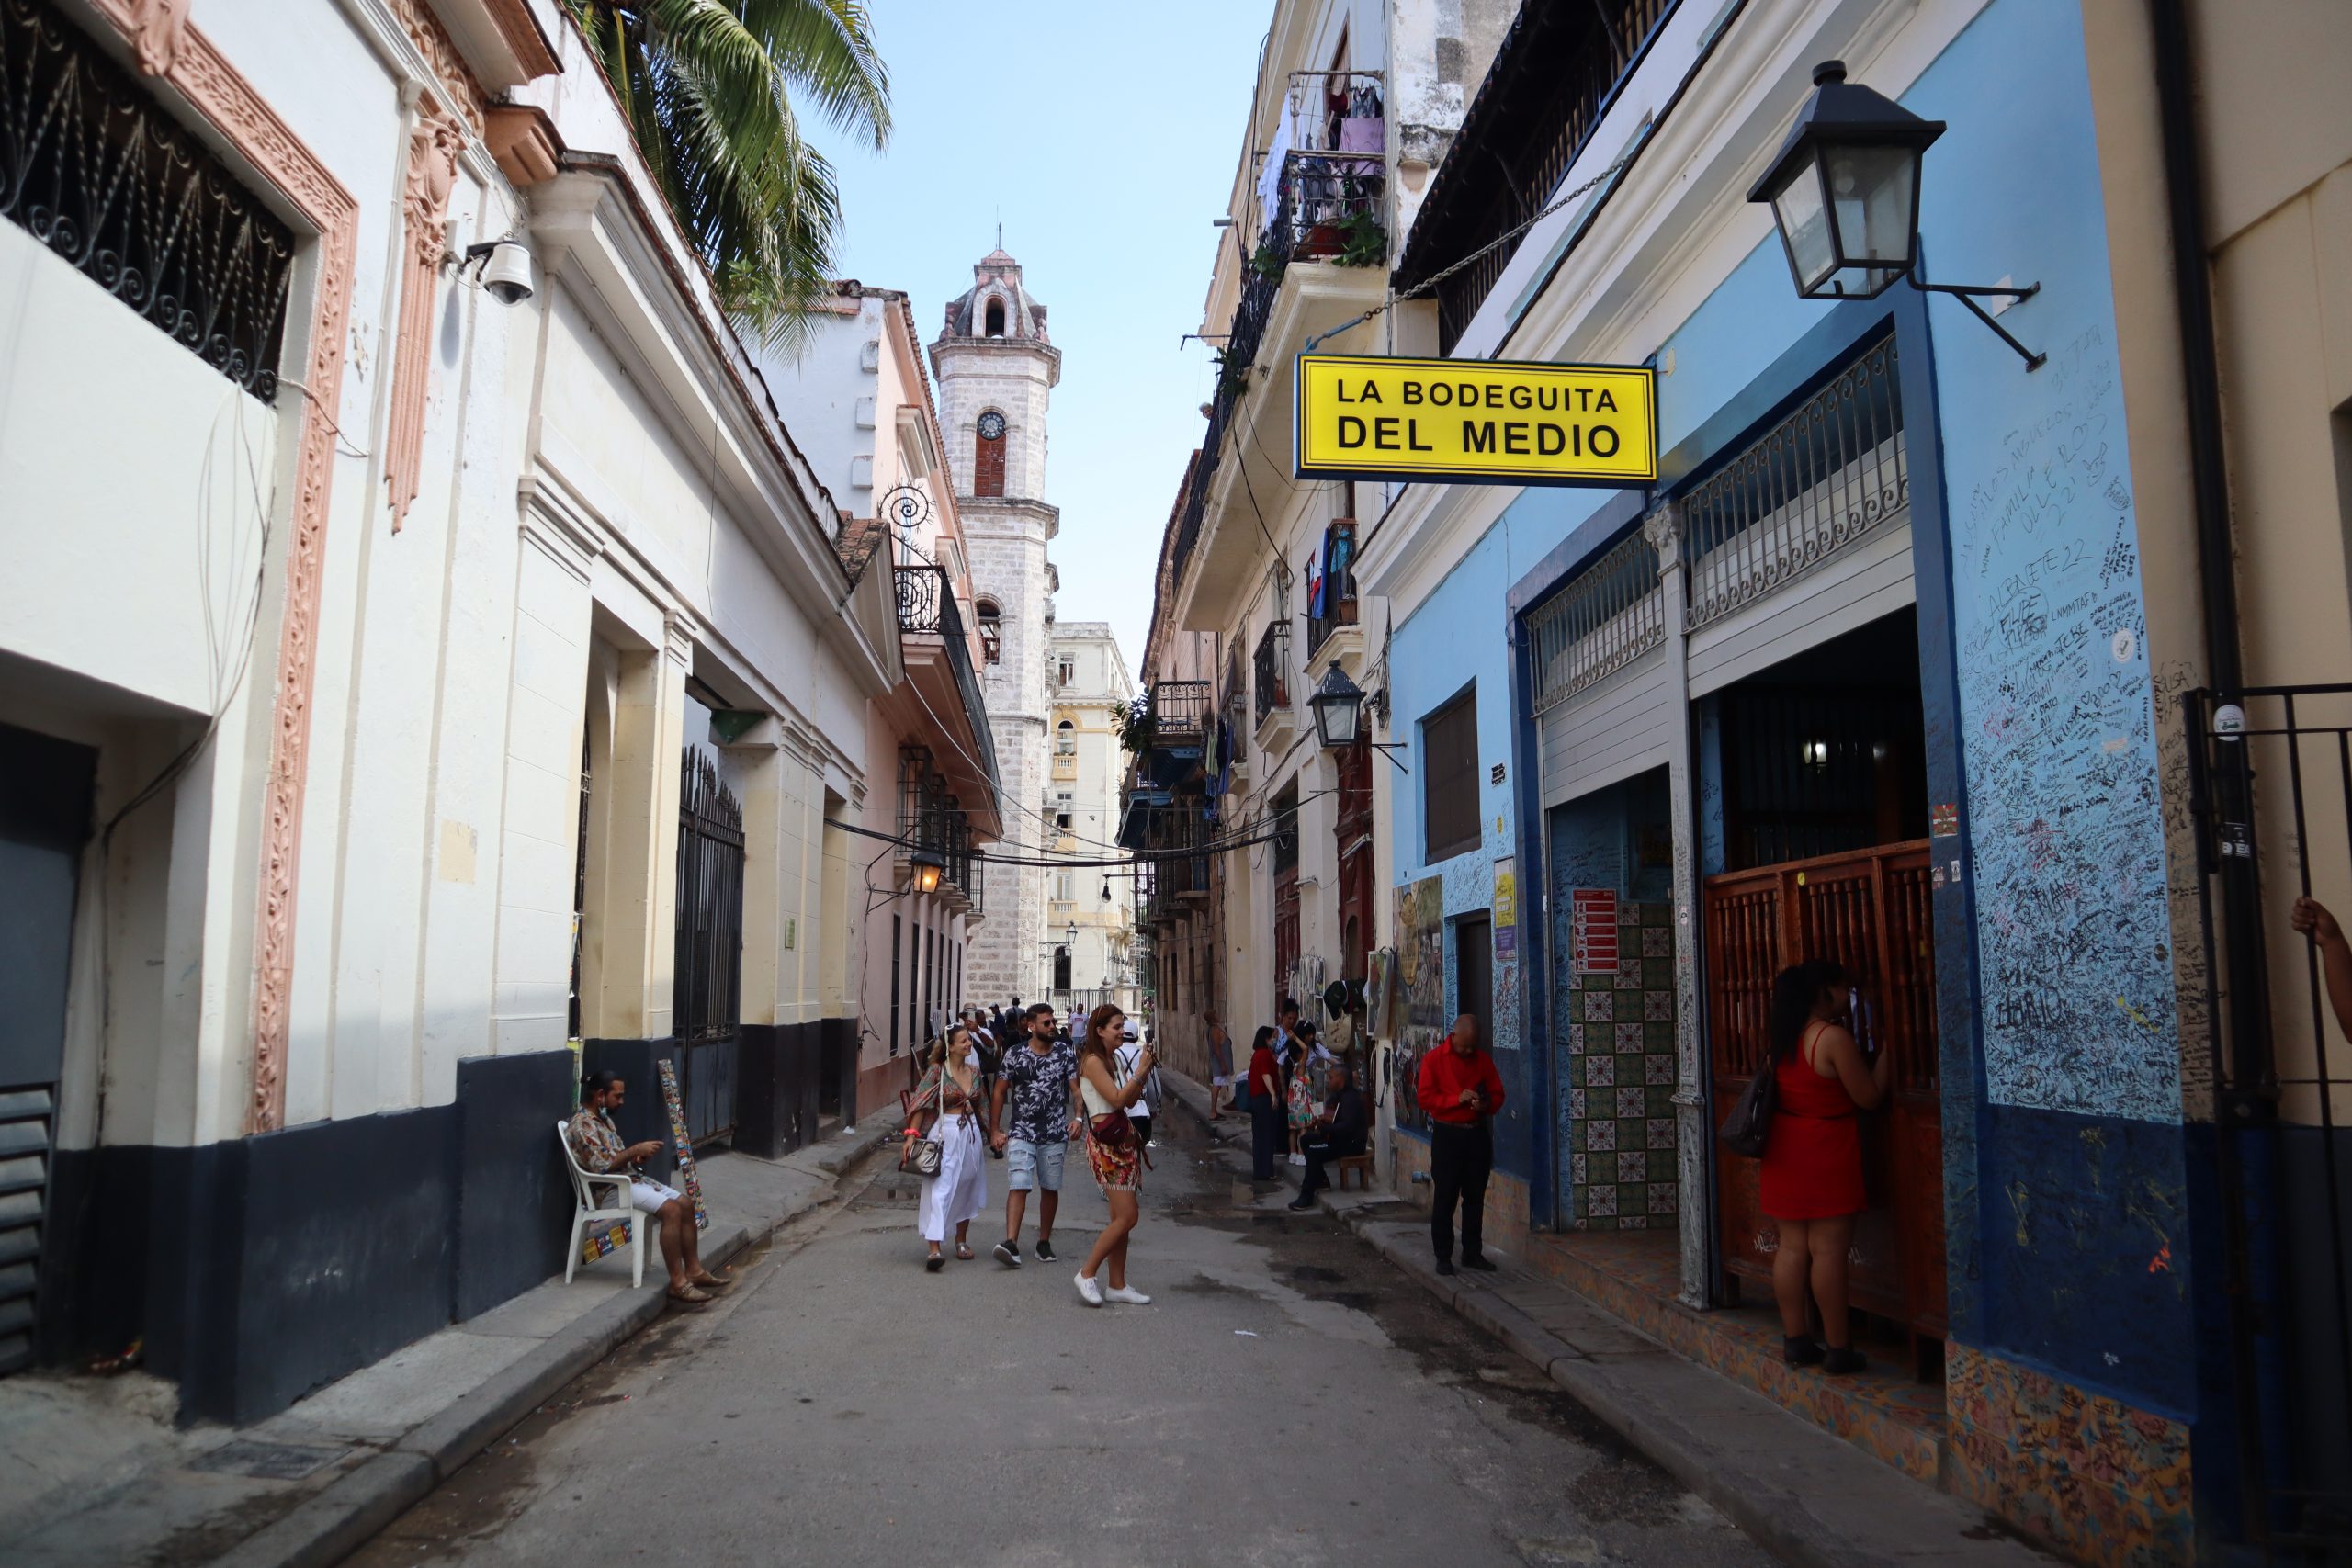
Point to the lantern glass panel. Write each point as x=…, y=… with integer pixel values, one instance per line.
x=1873, y=192
x=1337, y=719
x=1804, y=228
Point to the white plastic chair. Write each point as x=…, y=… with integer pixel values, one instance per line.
x=585, y=1210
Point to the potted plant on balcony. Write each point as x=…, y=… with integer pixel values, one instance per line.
x=1136, y=726
x=1362, y=240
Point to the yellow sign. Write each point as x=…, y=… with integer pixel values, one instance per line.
x=1476, y=421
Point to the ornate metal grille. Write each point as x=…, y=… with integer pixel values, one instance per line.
x=708, y=989
x=927, y=606
x=1610, y=615
x=1272, y=669
x=1820, y=480
x=92, y=167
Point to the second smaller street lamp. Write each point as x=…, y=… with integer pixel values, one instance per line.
x=927, y=866
x=1070, y=934
x=1845, y=195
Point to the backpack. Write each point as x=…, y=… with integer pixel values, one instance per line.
x=1750, y=1126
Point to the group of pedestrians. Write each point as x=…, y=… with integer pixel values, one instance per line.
x=1047, y=1087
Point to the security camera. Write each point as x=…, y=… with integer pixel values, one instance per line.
x=502, y=266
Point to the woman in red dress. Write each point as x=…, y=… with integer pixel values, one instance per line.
x=1811, y=1179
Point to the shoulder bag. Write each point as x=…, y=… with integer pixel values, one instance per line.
x=928, y=1149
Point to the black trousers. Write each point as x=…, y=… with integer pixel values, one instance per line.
x=1265, y=1137
x=1320, y=1150
x=1461, y=1159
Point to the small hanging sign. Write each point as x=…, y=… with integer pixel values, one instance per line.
x=1593, y=931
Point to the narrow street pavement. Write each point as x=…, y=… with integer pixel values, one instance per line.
x=1288, y=1397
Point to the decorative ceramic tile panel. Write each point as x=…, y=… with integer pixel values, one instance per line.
x=1617, y=1073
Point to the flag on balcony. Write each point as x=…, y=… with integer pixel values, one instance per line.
x=1315, y=578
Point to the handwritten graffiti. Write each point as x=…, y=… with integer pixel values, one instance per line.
x=2058, y=729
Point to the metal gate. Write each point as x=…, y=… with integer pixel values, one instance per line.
x=2270, y=787
x=707, y=1001
x=1869, y=910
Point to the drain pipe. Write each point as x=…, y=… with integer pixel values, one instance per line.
x=2252, y=1098
x=2246, y=1105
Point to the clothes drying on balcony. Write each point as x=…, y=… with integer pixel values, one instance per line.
x=1269, y=173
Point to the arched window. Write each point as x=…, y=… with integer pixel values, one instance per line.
x=994, y=326
x=1066, y=739
x=988, y=455
x=991, y=621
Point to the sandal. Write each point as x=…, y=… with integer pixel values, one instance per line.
x=934, y=1263
x=710, y=1281
x=964, y=1252
x=689, y=1294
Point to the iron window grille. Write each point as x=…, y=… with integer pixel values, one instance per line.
x=92, y=167
x=927, y=607
x=1610, y=615
x=1270, y=669
x=1825, y=476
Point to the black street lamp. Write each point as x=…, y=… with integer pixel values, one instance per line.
x=927, y=866
x=1338, y=703
x=1845, y=195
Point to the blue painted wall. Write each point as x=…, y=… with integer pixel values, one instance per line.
x=1460, y=634
x=2067, y=1186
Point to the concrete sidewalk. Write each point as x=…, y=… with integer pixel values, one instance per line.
x=1803, y=1494
x=93, y=1473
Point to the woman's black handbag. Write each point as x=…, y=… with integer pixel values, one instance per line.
x=1750, y=1126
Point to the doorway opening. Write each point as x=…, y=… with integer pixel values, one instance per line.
x=1814, y=836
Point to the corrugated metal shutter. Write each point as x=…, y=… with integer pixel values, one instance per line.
x=26, y=1121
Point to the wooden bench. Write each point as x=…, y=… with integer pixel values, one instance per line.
x=1360, y=1164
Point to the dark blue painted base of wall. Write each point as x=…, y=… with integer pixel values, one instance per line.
x=514, y=1199
x=775, y=1087
x=258, y=1269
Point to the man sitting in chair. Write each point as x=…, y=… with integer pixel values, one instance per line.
x=1343, y=1129
x=597, y=1144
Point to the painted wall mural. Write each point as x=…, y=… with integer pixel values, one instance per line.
x=1421, y=973
x=2058, y=729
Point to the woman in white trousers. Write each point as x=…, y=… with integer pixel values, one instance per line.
x=949, y=1106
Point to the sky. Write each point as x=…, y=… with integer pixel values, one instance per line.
x=1104, y=136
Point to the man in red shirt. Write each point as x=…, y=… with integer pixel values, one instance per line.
x=1459, y=1089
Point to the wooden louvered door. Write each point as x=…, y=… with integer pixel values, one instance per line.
x=1870, y=910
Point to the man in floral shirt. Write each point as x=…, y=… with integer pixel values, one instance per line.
x=1040, y=1077
x=597, y=1144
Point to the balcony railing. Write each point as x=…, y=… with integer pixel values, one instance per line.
x=1610, y=615
x=930, y=818
x=1181, y=713
x=1330, y=205
x=1831, y=472
x=1270, y=670
x=927, y=608
x=1533, y=117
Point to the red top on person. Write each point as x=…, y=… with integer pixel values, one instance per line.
x=1448, y=1070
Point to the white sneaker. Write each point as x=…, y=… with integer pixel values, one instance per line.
x=1298, y=1159
x=1089, y=1290
x=1127, y=1297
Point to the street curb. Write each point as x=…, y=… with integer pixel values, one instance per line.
x=338, y=1521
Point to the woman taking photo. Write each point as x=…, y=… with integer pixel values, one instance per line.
x=1113, y=1150
x=1811, y=1179
x=949, y=1103
x=1266, y=1108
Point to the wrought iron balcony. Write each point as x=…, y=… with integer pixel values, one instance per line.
x=1329, y=200
x=1271, y=667
x=927, y=607
x=930, y=818
x=1555, y=77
